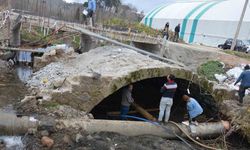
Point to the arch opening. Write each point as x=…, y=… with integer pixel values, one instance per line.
x=147, y=94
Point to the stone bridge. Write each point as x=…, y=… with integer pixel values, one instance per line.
x=85, y=81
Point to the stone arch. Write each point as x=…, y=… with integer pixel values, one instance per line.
x=87, y=91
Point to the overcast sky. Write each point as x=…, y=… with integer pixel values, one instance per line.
x=145, y=5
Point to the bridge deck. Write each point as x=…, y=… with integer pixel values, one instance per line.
x=49, y=23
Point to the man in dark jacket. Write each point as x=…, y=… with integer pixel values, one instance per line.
x=168, y=91
x=176, y=32
x=245, y=82
x=127, y=100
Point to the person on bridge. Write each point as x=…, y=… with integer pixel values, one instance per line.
x=194, y=109
x=166, y=31
x=176, y=32
x=168, y=91
x=91, y=11
x=245, y=83
x=127, y=100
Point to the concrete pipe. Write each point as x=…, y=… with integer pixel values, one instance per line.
x=136, y=128
x=10, y=124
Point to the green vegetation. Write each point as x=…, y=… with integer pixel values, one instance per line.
x=36, y=38
x=50, y=105
x=34, y=35
x=136, y=26
x=239, y=54
x=210, y=68
x=76, y=41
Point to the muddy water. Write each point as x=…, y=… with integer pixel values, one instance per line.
x=12, y=89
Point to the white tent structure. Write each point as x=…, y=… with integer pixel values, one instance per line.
x=209, y=21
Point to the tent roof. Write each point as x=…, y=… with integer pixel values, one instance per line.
x=221, y=10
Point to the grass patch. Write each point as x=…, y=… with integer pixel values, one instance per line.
x=239, y=54
x=210, y=68
x=50, y=105
x=135, y=26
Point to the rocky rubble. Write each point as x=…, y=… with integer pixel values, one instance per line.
x=230, y=77
x=53, y=54
x=77, y=81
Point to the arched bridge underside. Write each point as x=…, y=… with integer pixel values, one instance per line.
x=84, y=81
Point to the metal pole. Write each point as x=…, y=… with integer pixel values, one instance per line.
x=239, y=25
x=9, y=7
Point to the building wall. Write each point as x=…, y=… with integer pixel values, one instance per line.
x=206, y=22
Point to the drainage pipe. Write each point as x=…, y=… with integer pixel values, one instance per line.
x=137, y=128
x=10, y=124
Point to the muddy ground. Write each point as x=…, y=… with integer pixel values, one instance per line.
x=105, y=141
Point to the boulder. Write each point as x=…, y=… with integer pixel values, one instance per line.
x=46, y=141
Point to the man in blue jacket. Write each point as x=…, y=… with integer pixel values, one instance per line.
x=194, y=109
x=245, y=82
x=91, y=11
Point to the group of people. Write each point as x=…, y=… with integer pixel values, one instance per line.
x=176, y=32
x=168, y=92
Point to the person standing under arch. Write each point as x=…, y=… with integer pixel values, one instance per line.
x=127, y=100
x=168, y=91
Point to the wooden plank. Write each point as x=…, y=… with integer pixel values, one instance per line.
x=143, y=112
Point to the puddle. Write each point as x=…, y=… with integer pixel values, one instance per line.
x=24, y=73
x=12, y=89
x=12, y=142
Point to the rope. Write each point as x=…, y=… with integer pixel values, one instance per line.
x=196, y=142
